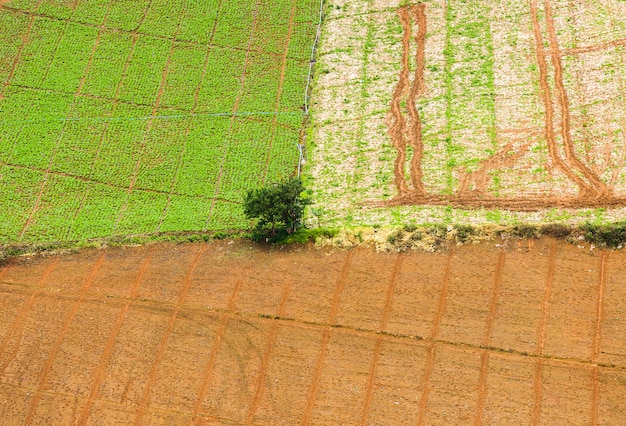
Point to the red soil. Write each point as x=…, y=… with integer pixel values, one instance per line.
x=229, y=333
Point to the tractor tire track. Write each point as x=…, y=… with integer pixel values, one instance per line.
x=69, y=319
x=600, y=189
x=98, y=374
x=417, y=89
x=548, y=104
x=151, y=378
x=395, y=120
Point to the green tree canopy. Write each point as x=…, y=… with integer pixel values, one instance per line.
x=277, y=206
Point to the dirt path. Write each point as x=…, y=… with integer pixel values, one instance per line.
x=227, y=332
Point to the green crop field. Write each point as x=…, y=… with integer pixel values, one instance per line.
x=470, y=112
x=146, y=116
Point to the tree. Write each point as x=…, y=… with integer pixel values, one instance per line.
x=279, y=205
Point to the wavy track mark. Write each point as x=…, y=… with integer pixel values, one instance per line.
x=395, y=121
x=484, y=357
x=600, y=189
x=378, y=346
x=210, y=366
x=61, y=337
x=151, y=378
x=417, y=89
x=98, y=374
x=271, y=340
x=18, y=324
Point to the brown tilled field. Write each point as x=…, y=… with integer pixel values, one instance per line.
x=227, y=333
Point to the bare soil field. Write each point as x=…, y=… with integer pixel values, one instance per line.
x=230, y=333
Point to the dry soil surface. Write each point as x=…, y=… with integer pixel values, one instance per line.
x=227, y=333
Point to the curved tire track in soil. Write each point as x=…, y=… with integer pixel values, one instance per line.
x=600, y=189
x=19, y=322
x=105, y=358
x=145, y=398
x=61, y=337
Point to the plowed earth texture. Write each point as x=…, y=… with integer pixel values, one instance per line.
x=231, y=334
x=145, y=116
x=482, y=111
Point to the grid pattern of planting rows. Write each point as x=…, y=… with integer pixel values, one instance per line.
x=509, y=105
x=122, y=118
x=224, y=333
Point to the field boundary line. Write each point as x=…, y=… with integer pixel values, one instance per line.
x=484, y=357
x=215, y=347
x=17, y=325
x=541, y=334
x=61, y=337
x=149, y=124
x=105, y=357
x=430, y=359
x=280, y=91
x=169, y=329
x=318, y=34
x=192, y=113
x=231, y=125
x=371, y=378
x=271, y=340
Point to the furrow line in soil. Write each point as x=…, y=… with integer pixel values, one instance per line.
x=231, y=125
x=378, y=346
x=17, y=327
x=196, y=96
x=105, y=357
x=149, y=124
x=425, y=386
x=600, y=188
x=484, y=357
x=595, y=397
x=317, y=373
x=210, y=366
x=279, y=93
x=69, y=319
x=597, y=335
x=594, y=48
x=151, y=377
x=334, y=307
x=417, y=89
x=271, y=340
